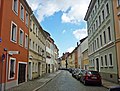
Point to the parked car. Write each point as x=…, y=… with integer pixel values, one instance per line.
x=115, y=88
x=74, y=72
x=79, y=74
x=91, y=77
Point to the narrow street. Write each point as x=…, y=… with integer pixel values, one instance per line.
x=65, y=82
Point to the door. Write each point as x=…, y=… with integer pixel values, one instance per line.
x=22, y=73
x=30, y=71
x=39, y=69
x=97, y=64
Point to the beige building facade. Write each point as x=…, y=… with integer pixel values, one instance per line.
x=37, y=61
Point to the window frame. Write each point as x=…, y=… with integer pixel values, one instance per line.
x=15, y=11
x=22, y=17
x=20, y=37
x=26, y=41
x=10, y=67
x=14, y=41
x=26, y=19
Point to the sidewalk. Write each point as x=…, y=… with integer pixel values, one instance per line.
x=109, y=84
x=35, y=84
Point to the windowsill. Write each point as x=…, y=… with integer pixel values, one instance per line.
x=106, y=66
x=110, y=66
x=21, y=45
x=13, y=41
x=11, y=78
x=15, y=12
x=22, y=19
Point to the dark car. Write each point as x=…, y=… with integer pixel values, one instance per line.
x=91, y=77
x=79, y=74
x=115, y=88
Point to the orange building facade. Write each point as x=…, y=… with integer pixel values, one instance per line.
x=14, y=34
x=116, y=8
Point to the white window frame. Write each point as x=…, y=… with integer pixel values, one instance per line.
x=16, y=12
x=26, y=41
x=21, y=44
x=15, y=41
x=10, y=68
x=21, y=17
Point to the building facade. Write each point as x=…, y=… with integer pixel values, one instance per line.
x=37, y=58
x=101, y=39
x=84, y=53
x=14, y=33
x=116, y=8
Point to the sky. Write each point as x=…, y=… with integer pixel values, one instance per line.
x=63, y=19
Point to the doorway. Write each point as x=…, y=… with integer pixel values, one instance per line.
x=22, y=73
x=97, y=64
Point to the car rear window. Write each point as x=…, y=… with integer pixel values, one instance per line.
x=93, y=72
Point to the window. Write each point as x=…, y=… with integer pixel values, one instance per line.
x=30, y=43
x=15, y=6
x=33, y=28
x=107, y=8
x=13, y=32
x=96, y=23
x=27, y=18
x=21, y=37
x=111, y=60
x=105, y=60
x=118, y=1
x=104, y=33
x=101, y=40
x=33, y=45
x=26, y=41
x=97, y=42
x=12, y=68
x=109, y=33
x=99, y=20
x=103, y=15
x=36, y=31
x=33, y=67
x=101, y=61
x=21, y=12
x=36, y=47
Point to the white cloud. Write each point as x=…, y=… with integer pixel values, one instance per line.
x=73, y=10
x=70, y=49
x=80, y=33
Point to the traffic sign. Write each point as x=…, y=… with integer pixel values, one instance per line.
x=13, y=52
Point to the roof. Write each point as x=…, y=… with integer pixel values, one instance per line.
x=90, y=7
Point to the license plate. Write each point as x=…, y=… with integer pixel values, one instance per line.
x=94, y=77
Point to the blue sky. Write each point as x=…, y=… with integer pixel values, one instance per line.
x=63, y=19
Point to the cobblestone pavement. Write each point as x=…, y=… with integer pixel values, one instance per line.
x=34, y=84
x=65, y=82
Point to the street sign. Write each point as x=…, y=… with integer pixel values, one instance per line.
x=0, y=40
x=13, y=52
